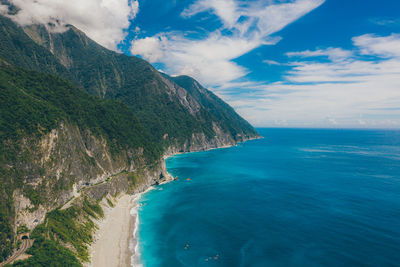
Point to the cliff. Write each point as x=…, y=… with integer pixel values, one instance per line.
x=80, y=123
x=170, y=109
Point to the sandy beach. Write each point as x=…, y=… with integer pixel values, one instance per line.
x=112, y=239
x=115, y=242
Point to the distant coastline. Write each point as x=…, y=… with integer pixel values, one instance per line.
x=298, y=188
x=116, y=239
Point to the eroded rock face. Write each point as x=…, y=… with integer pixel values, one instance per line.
x=65, y=161
x=26, y=213
x=200, y=142
x=185, y=99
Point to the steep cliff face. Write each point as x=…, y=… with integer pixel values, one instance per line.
x=172, y=107
x=62, y=147
x=18, y=49
x=66, y=168
x=80, y=123
x=67, y=162
x=218, y=110
x=62, y=163
x=59, y=143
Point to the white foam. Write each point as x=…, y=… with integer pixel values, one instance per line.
x=134, y=242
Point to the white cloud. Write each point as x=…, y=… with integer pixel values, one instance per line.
x=370, y=44
x=227, y=10
x=208, y=60
x=273, y=18
x=334, y=54
x=272, y=62
x=150, y=48
x=102, y=20
x=351, y=92
x=246, y=26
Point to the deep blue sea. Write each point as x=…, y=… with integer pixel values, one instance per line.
x=297, y=197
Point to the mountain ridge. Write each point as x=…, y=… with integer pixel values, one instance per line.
x=123, y=74
x=76, y=117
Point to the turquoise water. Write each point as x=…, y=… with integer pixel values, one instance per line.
x=295, y=198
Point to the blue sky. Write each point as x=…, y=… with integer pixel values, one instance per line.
x=306, y=63
x=279, y=63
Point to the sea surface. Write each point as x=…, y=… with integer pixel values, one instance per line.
x=298, y=197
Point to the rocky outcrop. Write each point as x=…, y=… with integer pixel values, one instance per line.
x=66, y=161
x=185, y=99
x=200, y=142
x=51, y=162
x=26, y=212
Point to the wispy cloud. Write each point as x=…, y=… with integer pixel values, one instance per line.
x=386, y=21
x=245, y=26
x=102, y=20
x=227, y=10
x=272, y=62
x=381, y=46
x=348, y=89
x=334, y=54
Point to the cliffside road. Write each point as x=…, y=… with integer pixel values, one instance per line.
x=24, y=246
x=78, y=193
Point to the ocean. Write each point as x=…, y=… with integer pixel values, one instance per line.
x=298, y=197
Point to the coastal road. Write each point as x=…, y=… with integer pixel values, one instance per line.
x=23, y=248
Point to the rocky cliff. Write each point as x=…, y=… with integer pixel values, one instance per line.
x=80, y=123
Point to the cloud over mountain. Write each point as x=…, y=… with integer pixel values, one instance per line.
x=102, y=20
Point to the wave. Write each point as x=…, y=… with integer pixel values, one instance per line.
x=134, y=242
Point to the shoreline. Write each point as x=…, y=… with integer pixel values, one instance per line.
x=209, y=149
x=120, y=246
x=133, y=237
x=111, y=240
x=115, y=241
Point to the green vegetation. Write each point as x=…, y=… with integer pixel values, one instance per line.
x=6, y=215
x=136, y=178
x=94, y=210
x=18, y=49
x=33, y=195
x=22, y=229
x=73, y=226
x=32, y=104
x=217, y=110
x=135, y=82
x=35, y=103
x=49, y=253
x=110, y=203
x=53, y=79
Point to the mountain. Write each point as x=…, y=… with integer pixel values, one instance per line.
x=160, y=104
x=19, y=49
x=56, y=137
x=80, y=124
x=217, y=108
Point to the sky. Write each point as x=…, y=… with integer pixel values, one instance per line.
x=279, y=63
